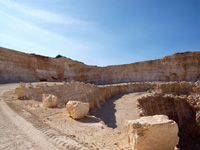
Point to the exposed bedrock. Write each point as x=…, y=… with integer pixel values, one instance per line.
x=16, y=66
x=95, y=95
x=176, y=88
x=79, y=91
x=183, y=109
x=73, y=91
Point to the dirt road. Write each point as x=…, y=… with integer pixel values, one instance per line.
x=119, y=109
x=15, y=132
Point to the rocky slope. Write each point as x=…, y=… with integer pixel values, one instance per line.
x=16, y=66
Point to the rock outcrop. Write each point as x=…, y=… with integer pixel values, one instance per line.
x=16, y=66
x=77, y=109
x=152, y=133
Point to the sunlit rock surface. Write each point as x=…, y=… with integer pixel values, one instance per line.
x=152, y=133
x=49, y=101
x=17, y=66
x=77, y=109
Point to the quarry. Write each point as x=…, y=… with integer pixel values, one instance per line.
x=59, y=103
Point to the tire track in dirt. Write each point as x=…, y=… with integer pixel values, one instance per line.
x=38, y=132
x=26, y=128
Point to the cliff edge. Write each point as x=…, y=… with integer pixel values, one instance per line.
x=17, y=66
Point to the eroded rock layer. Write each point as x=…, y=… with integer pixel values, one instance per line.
x=16, y=66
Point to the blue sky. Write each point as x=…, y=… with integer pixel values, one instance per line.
x=101, y=32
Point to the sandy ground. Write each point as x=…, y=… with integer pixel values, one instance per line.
x=15, y=132
x=27, y=125
x=119, y=109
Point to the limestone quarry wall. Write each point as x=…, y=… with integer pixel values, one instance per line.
x=73, y=91
x=94, y=95
x=79, y=91
x=16, y=66
x=176, y=88
x=111, y=90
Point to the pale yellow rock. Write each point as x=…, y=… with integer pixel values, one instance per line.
x=22, y=85
x=49, y=101
x=20, y=93
x=29, y=85
x=152, y=133
x=37, y=85
x=54, y=101
x=19, y=66
x=77, y=109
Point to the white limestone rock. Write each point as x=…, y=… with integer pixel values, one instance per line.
x=22, y=85
x=49, y=101
x=77, y=109
x=152, y=133
x=29, y=85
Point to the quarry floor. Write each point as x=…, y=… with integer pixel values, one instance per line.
x=25, y=124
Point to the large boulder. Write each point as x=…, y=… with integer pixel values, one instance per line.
x=49, y=101
x=152, y=133
x=77, y=109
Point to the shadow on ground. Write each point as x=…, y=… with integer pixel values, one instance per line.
x=89, y=119
x=107, y=112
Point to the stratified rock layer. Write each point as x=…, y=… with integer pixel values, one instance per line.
x=152, y=133
x=17, y=66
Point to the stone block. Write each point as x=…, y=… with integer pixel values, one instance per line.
x=152, y=133
x=49, y=101
x=77, y=109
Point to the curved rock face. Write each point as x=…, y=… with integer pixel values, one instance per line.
x=16, y=66
x=74, y=91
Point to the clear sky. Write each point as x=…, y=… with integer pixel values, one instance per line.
x=101, y=32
